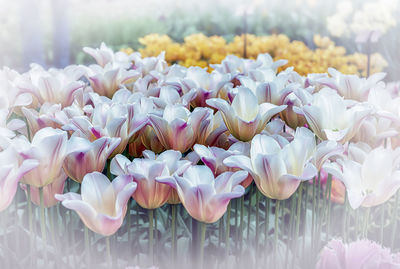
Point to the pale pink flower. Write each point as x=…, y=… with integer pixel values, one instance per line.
x=84, y=156
x=371, y=176
x=12, y=97
x=212, y=130
x=108, y=79
x=11, y=171
x=245, y=118
x=49, y=147
x=178, y=127
x=205, y=197
x=351, y=86
x=122, y=121
x=277, y=165
x=56, y=86
x=150, y=194
x=361, y=254
x=176, y=165
x=206, y=85
x=102, y=204
x=47, y=116
x=298, y=97
x=56, y=187
x=330, y=117
x=213, y=158
x=105, y=55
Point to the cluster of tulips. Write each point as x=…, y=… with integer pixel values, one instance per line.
x=136, y=127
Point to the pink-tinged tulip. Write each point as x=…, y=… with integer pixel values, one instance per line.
x=84, y=157
x=107, y=80
x=178, y=127
x=371, y=177
x=49, y=191
x=274, y=91
x=12, y=97
x=102, y=204
x=149, y=139
x=150, y=65
x=245, y=117
x=327, y=151
x=234, y=65
x=49, y=147
x=205, y=197
x=122, y=121
x=169, y=95
x=352, y=86
x=297, y=98
x=213, y=158
x=385, y=122
x=375, y=129
x=150, y=194
x=205, y=84
x=277, y=165
x=212, y=131
x=330, y=118
x=175, y=165
x=11, y=172
x=56, y=86
x=356, y=255
x=105, y=55
x=45, y=117
x=8, y=127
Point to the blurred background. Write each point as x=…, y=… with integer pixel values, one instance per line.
x=53, y=32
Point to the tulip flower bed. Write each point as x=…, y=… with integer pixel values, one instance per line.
x=132, y=162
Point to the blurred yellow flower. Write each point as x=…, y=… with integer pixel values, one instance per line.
x=200, y=50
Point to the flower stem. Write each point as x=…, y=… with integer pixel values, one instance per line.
x=249, y=212
x=291, y=225
x=43, y=225
x=328, y=215
x=305, y=191
x=109, y=175
x=202, y=239
x=173, y=233
x=368, y=56
x=236, y=209
x=366, y=220
x=87, y=246
x=195, y=239
x=266, y=227
x=382, y=224
x=4, y=222
x=257, y=220
x=228, y=228
x=276, y=232
x=241, y=222
x=110, y=263
x=299, y=197
x=151, y=234
x=344, y=228
x=220, y=231
x=128, y=225
x=394, y=221
x=313, y=213
x=137, y=231
x=156, y=233
x=32, y=249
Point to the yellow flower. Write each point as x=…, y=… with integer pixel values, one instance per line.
x=200, y=50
